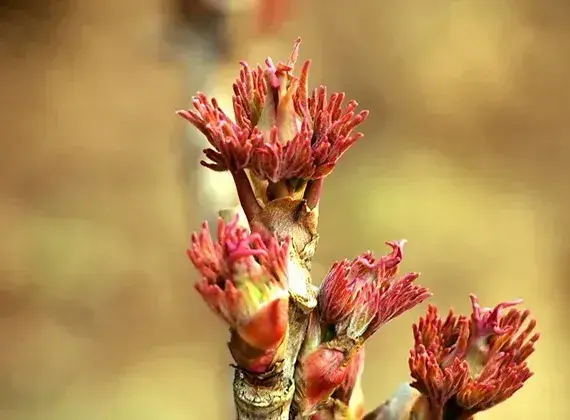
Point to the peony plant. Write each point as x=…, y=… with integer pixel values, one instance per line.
x=298, y=350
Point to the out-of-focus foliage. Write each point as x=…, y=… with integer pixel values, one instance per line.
x=464, y=156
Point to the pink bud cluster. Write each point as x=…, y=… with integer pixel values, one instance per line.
x=465, y=365
x=244, y=281
x=356, y=298
x=280, y=131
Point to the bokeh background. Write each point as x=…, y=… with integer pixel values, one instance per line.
x=465, y=155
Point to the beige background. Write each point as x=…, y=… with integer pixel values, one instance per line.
x=465, y=155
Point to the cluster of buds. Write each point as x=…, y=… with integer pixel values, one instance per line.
x=286, y=139
x=301, y=350
x=464, y=365
x=355, y=299
x=244, y=281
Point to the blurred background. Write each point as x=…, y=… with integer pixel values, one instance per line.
x=465, y=155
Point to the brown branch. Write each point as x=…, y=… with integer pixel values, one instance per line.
x=271, y=396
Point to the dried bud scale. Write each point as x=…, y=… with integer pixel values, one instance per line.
x=299, y=351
